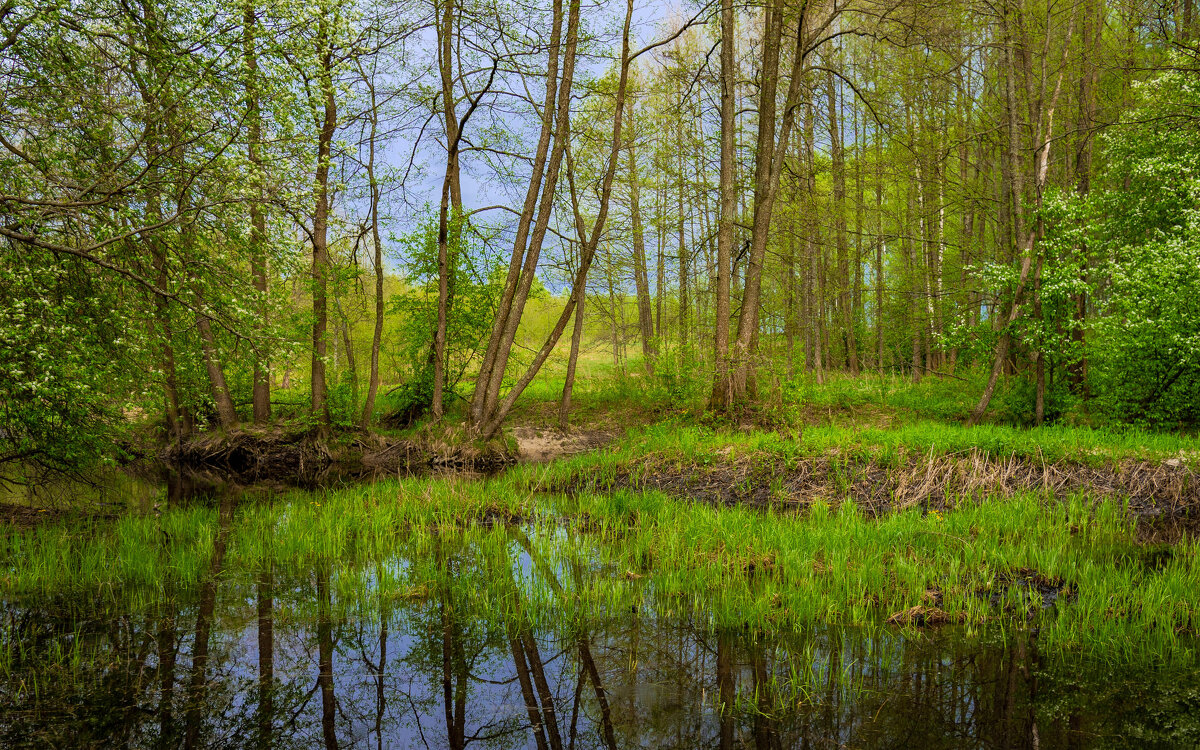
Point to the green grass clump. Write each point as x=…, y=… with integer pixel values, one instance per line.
x=512, y=556
x=699, y=446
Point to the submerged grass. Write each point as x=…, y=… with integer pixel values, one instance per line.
x=1072, y=569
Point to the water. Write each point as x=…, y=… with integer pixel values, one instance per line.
x=148, y=485
x=282, y=661
x=327, y=655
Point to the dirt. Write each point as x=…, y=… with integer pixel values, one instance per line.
x=302, y=458
x=1044, y=592
x=28, y=517
x=252, y=454
x=24, y=517
x=921, y=617
x=539, y=445
x=1164, y=498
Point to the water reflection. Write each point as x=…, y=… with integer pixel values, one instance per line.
x=273, y=658
x=148, y=486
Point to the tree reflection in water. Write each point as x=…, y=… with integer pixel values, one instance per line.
x=288, y=658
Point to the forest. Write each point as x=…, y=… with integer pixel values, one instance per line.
x=355, y=214
x=471, y=354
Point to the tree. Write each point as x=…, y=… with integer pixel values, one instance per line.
x=1040, y=101
x=1146, y=346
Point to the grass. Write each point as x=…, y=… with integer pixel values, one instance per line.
x=549, y=559
x=880, y=414
x=1052, y=442
x=923, y=462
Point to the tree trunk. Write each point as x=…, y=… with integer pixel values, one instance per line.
x=722, y=393
x=206, y=610
x=1088, y=93
x=325, y=660
x=157, y=112
x=660, y=281
x=258, y=221
x=726, y=691
x=611, y=282
x=769, y=159
x=351, y=362
x=497, y=415
x=368, y=411
x=564, y=406
x=448, y=237
x=265, y=605
x=218, y=387
x=838, y=168
x=226, y=414
x=682, y=252
x=529, y=235
x=856, y=302
x=914, y=307
x=879, y=242
x=789, y=301
x=320, y=236
x=640, y=277
x=532, y=708
x=1042, y=116
x=1039, y=354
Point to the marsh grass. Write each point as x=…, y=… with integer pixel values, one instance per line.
x=691, y=444
x=881, y=471
x=510, y=555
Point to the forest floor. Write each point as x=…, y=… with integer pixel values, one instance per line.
x=883, y=444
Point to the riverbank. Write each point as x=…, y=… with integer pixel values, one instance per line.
x=760, y=529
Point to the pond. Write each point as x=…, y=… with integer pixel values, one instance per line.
x=464, y=638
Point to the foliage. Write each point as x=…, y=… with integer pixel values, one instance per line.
x=474, y=288
x=144, y=144
x=66, y=352
x=1147, y=347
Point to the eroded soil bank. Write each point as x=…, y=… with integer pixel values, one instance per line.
x=1163, y=496
x=298, y=456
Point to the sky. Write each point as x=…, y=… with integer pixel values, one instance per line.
x=479, y=187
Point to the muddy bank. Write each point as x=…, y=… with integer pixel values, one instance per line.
x=1164, y=497
x=302, y=456
x=24, y=517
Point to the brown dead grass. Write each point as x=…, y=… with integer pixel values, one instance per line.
x=1164, y=497
x=921, y=616
x=25, y=517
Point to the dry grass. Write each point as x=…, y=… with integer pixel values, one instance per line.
x=921, y=616
x=1161, y=494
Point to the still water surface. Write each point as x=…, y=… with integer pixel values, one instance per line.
x=292, y=659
